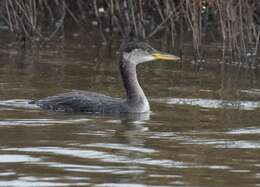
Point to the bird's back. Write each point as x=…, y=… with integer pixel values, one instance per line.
x=83, y=101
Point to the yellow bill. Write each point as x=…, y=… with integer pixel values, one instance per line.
x=164, y=56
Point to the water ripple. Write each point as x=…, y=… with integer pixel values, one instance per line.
x=18, y=103
x=10, y=158
x=125, y=185
x=24, y=183
x=95, y=168
x=223, y=143
x=240, y=145
x=249, y=130
x=39, y=122
x=211, y=103
x=103, y=156
x=121, y=147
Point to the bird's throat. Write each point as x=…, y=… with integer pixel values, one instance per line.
x=135, y=95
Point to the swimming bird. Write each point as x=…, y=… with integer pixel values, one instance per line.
x=131, y=54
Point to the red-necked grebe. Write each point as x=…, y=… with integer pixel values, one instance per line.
x=131, y=54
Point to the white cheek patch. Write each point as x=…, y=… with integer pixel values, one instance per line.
x=138, y=57
x=130, y=58
x=148, y=58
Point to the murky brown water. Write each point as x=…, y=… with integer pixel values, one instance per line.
x=204, y=129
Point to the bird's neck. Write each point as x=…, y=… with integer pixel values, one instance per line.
x=136, y=98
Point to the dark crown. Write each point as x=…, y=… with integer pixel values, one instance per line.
x=138, y=45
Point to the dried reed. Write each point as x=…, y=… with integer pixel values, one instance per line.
x=235, y=22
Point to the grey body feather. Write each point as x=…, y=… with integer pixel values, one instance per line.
x=83, y=101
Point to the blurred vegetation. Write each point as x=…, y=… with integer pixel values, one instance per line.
x=234, y=24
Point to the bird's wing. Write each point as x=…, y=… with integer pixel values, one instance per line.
x=80, y=101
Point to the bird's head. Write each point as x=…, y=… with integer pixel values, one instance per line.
x=136, y=52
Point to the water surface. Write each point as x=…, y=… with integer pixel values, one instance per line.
x=203, y=129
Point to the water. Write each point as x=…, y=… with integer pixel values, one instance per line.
x=203, y=129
